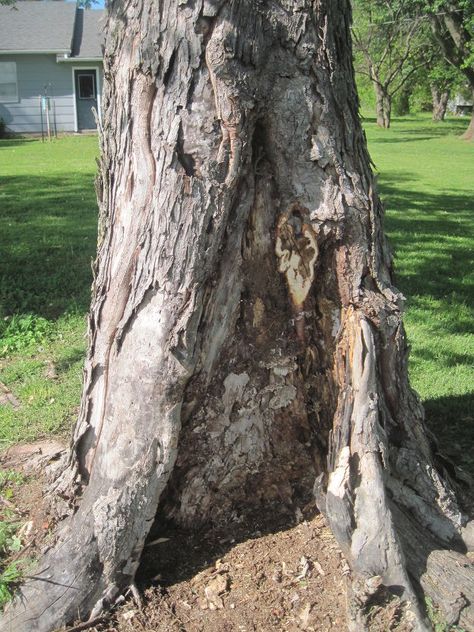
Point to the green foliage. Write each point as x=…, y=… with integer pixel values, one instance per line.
x=21, y=332
x=447, y=28
x=437, y=620
x=10, y=542
x=444, y=75
x=389, y=49
x=365, y=91
x=8, y=480
x=9, y=578
x=453, y=26
x=2, y=128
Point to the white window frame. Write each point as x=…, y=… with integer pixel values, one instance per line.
x=12, y=99
x=98, y=93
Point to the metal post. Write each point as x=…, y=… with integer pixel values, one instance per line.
x=48, y=124
x=41, y=115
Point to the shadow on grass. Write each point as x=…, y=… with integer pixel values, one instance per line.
x=434, y=267
x=433, y=235
x=15, y=141
x=452, y=421
x=416, y=129
x=70, y=359
x=48, y=240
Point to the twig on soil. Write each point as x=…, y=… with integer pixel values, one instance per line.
x=6, y=396
x=137, y=598
x=87, y=624
x=173, y=614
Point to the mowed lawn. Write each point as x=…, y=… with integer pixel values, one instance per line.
x=48, y=216
x=48, y=219
x=426, y=179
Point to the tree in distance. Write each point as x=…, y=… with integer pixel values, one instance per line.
x=389, y=48
x=452, y=23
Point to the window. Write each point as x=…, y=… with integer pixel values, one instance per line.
x=86, y=86
x=8, y=82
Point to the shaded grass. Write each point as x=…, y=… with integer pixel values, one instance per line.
x=48, y=214
x=426, y=179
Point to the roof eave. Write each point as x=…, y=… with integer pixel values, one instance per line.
x=36, y=52
x=63, y=60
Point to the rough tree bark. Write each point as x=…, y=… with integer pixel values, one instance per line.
x=245, y=336
x=383, y=105
x=440, y=103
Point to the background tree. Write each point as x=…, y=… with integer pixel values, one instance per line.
x=246, y=349
x=453, y=27
x=444, y=79
x=389, y=49
x=452, y=23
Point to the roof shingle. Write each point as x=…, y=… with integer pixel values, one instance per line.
x=51, y=26
x=88, y=34
x=37, y=26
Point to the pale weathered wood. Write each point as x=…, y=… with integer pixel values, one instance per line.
x=245, y=338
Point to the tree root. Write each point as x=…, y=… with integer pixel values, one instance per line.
x=396, y=519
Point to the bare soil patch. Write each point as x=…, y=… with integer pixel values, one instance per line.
x=258, y=574
x=250, y=577
x=26, y=503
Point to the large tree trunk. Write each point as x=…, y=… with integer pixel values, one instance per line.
x=403, y=101
x=440, y=103
x=245, y=338
x=383, y=105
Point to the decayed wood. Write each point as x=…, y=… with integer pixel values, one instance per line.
x=244, y=335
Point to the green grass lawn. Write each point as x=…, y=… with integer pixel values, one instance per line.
x=426, y=179
x=48, y=217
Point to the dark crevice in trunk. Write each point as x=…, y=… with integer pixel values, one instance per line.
x=170, y=68
x=185, y=160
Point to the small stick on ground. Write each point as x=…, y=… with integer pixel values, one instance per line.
x=87, y=624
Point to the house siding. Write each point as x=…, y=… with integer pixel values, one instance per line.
x=34, y=72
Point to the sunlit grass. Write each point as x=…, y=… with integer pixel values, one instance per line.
x=426, y=179
x=48, y=215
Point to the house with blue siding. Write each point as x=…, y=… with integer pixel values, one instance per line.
x=50, y=66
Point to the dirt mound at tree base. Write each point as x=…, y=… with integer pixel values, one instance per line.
x=290, y=578
x=254, y=575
